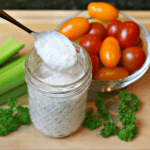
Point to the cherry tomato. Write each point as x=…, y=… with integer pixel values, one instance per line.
x=139, y=43
x=133, y=58
x=102, y=11
x=91, y=43
x=95, y=63
x=128, y=34
x=75, y=28
x=105, y=24
x=111, y=73
x=97, y=29
x=110, y=52
x=113, y=28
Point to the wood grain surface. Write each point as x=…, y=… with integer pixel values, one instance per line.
x=28, y=137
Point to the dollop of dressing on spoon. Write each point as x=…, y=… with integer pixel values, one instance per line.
x=56, y=50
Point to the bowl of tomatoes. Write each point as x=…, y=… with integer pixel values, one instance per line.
x=119, y=47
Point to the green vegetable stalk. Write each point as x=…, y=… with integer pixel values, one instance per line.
x=12, y=75
x=9, y=48
x=13, y=93
x=129, y=104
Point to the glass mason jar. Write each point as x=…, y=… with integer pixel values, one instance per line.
x=57, y=111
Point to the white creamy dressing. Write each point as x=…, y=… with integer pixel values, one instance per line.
x=53, y=115
x=43, y=72
x=61, y=65
x=56, y=50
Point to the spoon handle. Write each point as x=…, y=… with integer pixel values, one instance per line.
x=12, y=20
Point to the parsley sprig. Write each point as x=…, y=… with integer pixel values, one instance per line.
x=110, y=128
x=92, y=121
x=129, y=104
x=12, y=117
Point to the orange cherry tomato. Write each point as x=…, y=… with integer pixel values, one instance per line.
x=95, y=63
x=107, y=74
x=102, y=11
x=110, y=52
x=75, y=28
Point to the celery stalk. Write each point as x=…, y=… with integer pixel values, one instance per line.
x=10, y=60
x=13, y=93
x=9, y=48
x=12, y=75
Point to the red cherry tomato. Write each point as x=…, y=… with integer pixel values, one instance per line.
x=133, y=58
x=113, y=28
x=95, y=63
x=111, y=73
x=91, y=43
x=139, y=43
x=97, y=29
x=128, y=34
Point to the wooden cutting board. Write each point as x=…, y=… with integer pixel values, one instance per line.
x=28, y=137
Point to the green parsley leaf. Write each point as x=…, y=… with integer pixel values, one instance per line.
x=127, y=118
x=22, y=116
x=109, y=129
x=128, y=132
x=129, y=103
x=11, y=118
x=92, y=121
x=124, y=96
x=102, y=108
x=12, y=102
x=135, y=102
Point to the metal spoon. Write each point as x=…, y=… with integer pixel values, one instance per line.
x=12, y=20
x=7, y=17
x=39, y=36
